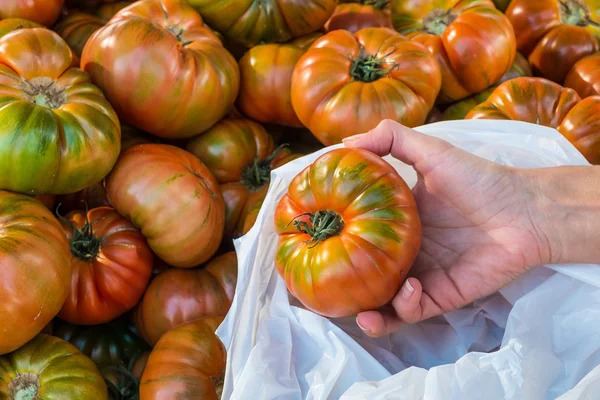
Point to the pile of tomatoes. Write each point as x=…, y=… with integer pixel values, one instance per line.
x=137, y=141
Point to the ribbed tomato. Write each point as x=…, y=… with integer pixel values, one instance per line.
x=108, y=10
x=584, y=77
x=240, y=154
x=347, y=83
x=178, y=296
x=44, y=12
x=349, y=231
x=250, y=23
x=473, y=42
x=76, y=28
x=359, y=14
x=49, y=368
x=555, y=34
x=58, y=133
x=188, y=362
x=111, y=266
x=540, y=101
x=35, y=269
x=12, y=24
x=158, y=65
x=173, y=198
x=266, y=81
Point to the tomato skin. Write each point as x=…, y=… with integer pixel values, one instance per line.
x=476, y=47
x=179, y=296
x=107, y=281
x=326, y=95
x=552, y=39
x=584, y=77
x=270, y=21
x=108, y=10
x=362, y=266
x=173, y=198
x=188, y=362
x=76, y=28
x=91, y=197
x=266, y=81
x=356, y=16
x=47, y=199
x=12, y=24
x=581, y=127
x=35, y=260
x=43, y=12
x=61, y=371
x=155, y=81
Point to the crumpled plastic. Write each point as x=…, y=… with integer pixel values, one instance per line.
x=538, y=338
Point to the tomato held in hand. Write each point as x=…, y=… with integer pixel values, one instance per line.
x=555, y=34
x=360, y=14
x=173, y=198
x=44, y=12
x=178, y=296
x=473, y=42
x=349, y=232
x=111, y=266
x=540, y=101
x=162, y=69
x=188, y=362
x=584, y=77
x=345, y=84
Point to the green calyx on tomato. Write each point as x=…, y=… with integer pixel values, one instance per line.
x=84, y=244
x=178, y=31
x=370, y=68
x=575, y=13
x=436, y=22
x=379, y=4
x=323, y=225
x=121, y=383
x=24, y=387
x=44, y=92
x=258, y=174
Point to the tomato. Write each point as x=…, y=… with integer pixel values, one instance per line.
x=584, y=77
x=50, y=368
x=435, y=115
x=44, y=12
x=188, y=362
x=473, y=42
x=90, y=197
x=158, y=65
x=251, y=23
x=13, y=24
x=555, y=34
x=107, y=11
x=47, y=199
x=240, y=154
x=460, y=110
x=359, y=14
x=58, y=134
x=107, y=344
x=173, y=198
x=349, y=231
x=77, y=28
x=347, y=83
x=540, y=101
x=111, y=266
x=179, y=296
x=36, y=268
x=266, y=80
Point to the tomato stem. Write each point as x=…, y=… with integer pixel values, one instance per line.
x=322, y=225
x=370, y=68
x=178, y=32
x=258, y=174
x=127, y=386
x=24, y=387
x=84, y=244
x=379, y=4
x=436, y=22
x=44, y=92
x=575, y=13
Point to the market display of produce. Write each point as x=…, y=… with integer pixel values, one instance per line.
x=137, y=141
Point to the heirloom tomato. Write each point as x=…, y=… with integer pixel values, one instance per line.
x=540, y=101
x=13, y=24
x=47, y=199
x=90, y=197
x=159, y=65
x=250, y=23
x=58, y=134
x=188, y=362
x=555, y=34
x=111, y=266
x=347, y=83
x=584, y=77
x=173, y=198
x=349, y=231
x=76, y=28
x=178, y=296
x=473, y=42
x=49, y=368
x=44, y=12
x=240, y=154
x=35, y=268
x=108, y=10
x=266, y=80
x=358, y=14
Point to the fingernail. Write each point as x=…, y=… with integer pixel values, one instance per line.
x=353, y=138
x=361, y=327
x=407, y=290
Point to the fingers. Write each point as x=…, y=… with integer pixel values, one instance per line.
x=405, y=144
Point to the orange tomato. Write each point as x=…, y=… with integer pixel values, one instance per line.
x=584, y=77
x=360, y=14
x=76, y=28
x=44, y=12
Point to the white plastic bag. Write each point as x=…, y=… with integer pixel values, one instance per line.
x=536, y=339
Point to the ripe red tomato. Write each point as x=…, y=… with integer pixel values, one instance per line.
x=360, y=14
x=349, y=231
x=173, y=198
x=584, y=77
x=347, y=83
x=44, y=12
x=159, y=65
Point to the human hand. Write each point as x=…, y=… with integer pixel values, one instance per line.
x=478, y=232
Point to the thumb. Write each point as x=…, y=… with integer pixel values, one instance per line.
x=403, y=143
